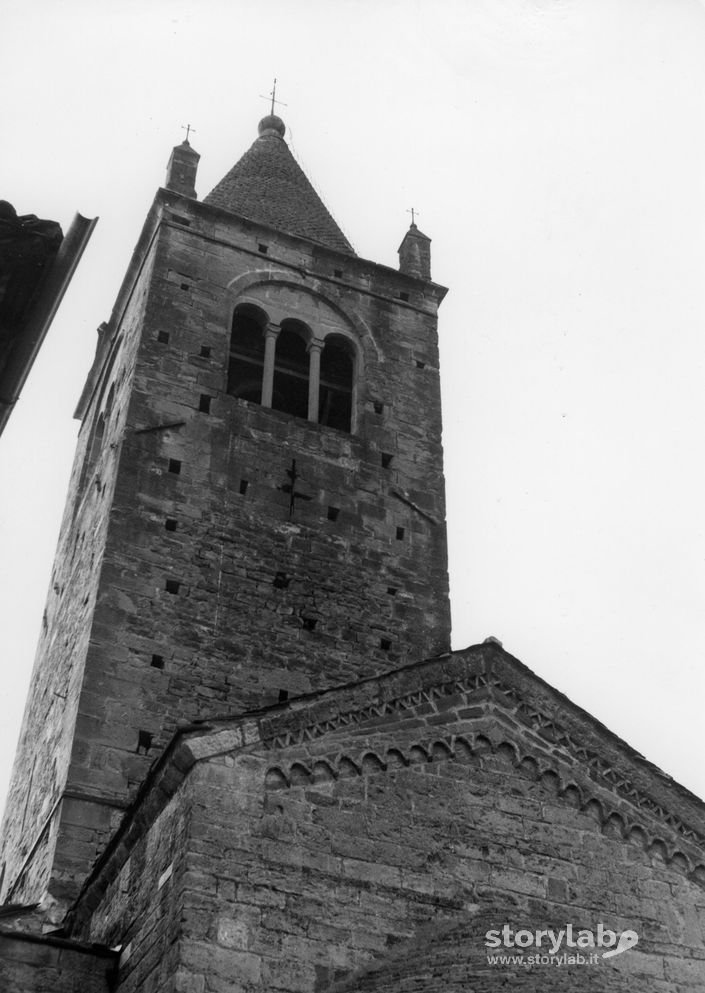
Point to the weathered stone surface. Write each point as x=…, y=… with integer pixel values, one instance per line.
x=311, y=877
x=32, y=964
x=228, y=638
x=232, y=759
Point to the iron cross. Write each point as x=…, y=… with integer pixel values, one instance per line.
x=272, y=97
x=188, y=129
x=290, y=488
x=414, y=214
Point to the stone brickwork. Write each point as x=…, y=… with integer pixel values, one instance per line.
x=323, y=835
x=187, y=584
x=30, y=964
x=234, y=772
x=38, y=802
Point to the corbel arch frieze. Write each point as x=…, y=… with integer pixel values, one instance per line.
x=615, y=818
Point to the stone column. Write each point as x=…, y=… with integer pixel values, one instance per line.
x=314, y=378
x=270, y=344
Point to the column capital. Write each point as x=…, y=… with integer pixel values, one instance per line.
x=315, y=344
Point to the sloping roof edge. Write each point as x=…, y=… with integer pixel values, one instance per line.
x=495, y=671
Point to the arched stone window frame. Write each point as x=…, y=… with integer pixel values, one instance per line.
x=341, y=327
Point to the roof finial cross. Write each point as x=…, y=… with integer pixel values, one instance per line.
x=414, y=214
x=188, y=129
x=273, y=97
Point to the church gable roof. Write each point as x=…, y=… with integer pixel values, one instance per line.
x=269, y=187
x=451, y=784
x=468, y=707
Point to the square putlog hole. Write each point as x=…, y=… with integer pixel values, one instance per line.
x=204, y=403
x=172, y=586
x=175, y=466
x=163, y=337
x=157, y=662
x=333, y=513
x=144, y=741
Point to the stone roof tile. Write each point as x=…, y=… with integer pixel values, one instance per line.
x=269, y=187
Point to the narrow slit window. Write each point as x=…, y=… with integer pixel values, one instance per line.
x=400, y=534
x=244, y=484
x=204, y=404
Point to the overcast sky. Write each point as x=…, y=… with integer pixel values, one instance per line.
x=555, y=150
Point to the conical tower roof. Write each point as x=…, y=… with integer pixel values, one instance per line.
x=268, y=186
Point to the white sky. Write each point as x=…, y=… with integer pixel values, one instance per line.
x=556, y=152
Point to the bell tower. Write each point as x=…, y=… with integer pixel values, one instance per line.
x=256, y=509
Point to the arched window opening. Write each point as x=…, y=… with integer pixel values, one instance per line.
x=291, y=369
x=247, y=353
x=336, y=388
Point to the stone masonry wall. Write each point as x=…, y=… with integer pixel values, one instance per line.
x=143, y=913
x=334, y=873
x=34, y=806
x=344, y=833
x=31, y=965
x=293, y=889
x=213, y=599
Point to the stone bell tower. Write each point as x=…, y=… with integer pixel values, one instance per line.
x=256, y=509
